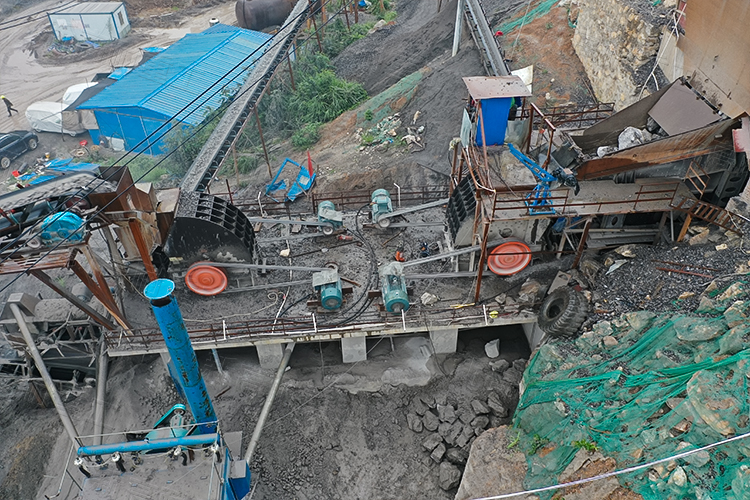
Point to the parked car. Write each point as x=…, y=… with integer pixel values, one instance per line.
x=14, y=144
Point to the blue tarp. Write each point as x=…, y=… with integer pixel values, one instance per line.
x=66, y=166
x=278, y=188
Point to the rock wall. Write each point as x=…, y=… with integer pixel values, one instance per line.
x=616, y=45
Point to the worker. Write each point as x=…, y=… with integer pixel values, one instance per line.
x=424, y=249
x=8, y=105
x=400, y=257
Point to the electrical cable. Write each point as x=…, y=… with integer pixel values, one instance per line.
x=373, y=270
x=272, y=294
x=662, y=50
x=626, y=470
x=518, y=35
x=26, y=19
x=203, y=125
x=171, y=127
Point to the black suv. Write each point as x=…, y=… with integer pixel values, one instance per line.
x=14, y=144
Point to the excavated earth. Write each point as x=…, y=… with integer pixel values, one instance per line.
x=400, y=424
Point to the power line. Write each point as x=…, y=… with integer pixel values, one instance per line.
x=620, y=472
x=26, y=19
x=202, y=126
x=144, y=140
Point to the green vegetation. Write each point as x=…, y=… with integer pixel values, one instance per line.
x=381, y=8
x=584, y=444
x=515, y=441
x=338, y=37
x=537, y=443
x=367, y=139
x=368, y=115
x=186, y=146
x=319, y=97
x=307, y=136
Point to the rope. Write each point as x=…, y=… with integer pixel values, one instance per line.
x=518, y=35
x=627, y=470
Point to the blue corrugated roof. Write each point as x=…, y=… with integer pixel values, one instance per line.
x=170, y=80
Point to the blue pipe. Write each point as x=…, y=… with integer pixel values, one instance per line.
x=154, y=444
x=169, y=317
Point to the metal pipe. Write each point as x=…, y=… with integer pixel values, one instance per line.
x=177, y=341
x=101, y=391
x=61, y=411
x=146, y=445
x=457, y=29
x=216, y=356
x=269, y=401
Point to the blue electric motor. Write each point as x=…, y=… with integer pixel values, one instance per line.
x=328, y=285
x=327, y=213
x=381, y=204
x=393, y=288
x=59, y=226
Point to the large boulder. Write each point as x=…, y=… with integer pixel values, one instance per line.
x=493, y=468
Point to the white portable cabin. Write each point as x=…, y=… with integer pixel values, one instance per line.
x=95, y=21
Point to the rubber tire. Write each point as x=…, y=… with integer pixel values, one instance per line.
x=4, y=162
x=563, y=312
x=32, y=144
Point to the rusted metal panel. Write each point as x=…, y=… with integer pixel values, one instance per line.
x=57, y=259
x=606, y=131
x=716, y=45
x=699, y=142
x=491, y=87
x=680, y=110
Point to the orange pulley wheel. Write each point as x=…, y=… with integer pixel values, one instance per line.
x=509, y=258
x=205, y=279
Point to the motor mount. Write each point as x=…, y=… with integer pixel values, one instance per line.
x=327, y=213
x=380, y=205
x=393, y=288
x=327, y=284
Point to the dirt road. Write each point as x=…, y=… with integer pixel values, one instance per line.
x=30, y=73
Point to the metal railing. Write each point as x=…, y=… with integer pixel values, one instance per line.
x=312, y=327
x=407, y=196
x=648, y=193
x=572, y=116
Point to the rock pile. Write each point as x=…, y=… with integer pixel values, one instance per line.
x=451, y=429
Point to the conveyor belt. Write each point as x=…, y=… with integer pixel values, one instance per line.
x=215, y=150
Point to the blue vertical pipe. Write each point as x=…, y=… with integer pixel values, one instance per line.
x=169, y=317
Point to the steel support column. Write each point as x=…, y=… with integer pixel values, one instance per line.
x=42, y=368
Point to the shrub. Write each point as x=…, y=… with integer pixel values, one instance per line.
x=307, y=136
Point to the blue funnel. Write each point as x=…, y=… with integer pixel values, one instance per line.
x=169, y=317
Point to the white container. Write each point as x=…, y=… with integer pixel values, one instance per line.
x=95, y=21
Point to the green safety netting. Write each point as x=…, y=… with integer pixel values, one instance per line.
x=670, y=383
x=538, y=11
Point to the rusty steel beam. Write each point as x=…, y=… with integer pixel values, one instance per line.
x=104, y=297
x=709, y=139
x=45, y=278
x=103, y=285
x=140, y=242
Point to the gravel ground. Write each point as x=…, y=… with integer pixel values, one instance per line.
x=639, y=285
